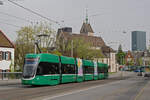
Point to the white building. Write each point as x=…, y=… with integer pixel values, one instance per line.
x=109, y=58
x=6, y=53
x=113, y=65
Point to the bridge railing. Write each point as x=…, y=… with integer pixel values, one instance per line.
x=10, y=75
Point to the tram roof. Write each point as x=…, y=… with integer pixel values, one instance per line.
x=87, y=62
x=102, y=64
x=45, y=57
x=67, y=60
x=31, y=56
x=106, y=65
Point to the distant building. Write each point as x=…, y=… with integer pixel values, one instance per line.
x=138, y=41
x=65, y=29
x=86, y=29
x=87, y=34
x=6, y=53
x=146, y=58
x=129, y=59
x=109, y=58
x=141, y=58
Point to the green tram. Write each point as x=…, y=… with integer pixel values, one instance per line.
x=49, y=69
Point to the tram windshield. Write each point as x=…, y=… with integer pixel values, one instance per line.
x=30, y=67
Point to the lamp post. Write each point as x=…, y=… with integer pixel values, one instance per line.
x=72, y=48
x=42, y=41
x=111, y=54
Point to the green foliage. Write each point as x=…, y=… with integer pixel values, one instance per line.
x=26, y=37
x=80, y=49
x=120, y=48
x=120, y=56
x=131, y=63
x=11, y=66
x=140, y=61
x=56, y=52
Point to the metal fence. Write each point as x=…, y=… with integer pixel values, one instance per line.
x=10, y=75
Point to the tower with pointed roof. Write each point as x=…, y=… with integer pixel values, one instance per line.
x=86, y=28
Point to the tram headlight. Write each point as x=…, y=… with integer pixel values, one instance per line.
x=38, y=78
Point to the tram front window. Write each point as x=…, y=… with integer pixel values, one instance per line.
x=29, y=67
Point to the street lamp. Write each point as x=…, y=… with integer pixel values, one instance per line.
x=42, y=38
x=39, y=40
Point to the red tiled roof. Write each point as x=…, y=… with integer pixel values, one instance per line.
x=95, y=41
x=4, y=41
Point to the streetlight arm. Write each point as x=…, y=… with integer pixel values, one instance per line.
x=36, y=43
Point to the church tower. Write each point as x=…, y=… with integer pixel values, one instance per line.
x=86, y=28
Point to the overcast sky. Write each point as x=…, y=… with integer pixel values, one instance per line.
x=110, y=19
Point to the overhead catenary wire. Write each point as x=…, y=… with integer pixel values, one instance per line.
x=38, y=14
x=19, y=18
x=10, y=24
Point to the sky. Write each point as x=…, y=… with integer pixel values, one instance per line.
x=113, y=20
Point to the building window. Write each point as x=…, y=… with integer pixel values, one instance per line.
x=8, y=55
x=5, y=55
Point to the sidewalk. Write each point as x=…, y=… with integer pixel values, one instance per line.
x=121, y=74
x=10, y=82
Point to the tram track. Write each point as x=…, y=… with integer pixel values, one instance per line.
x=29, y=92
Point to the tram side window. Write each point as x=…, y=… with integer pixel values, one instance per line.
x=88, y=70
x=105, y=70
x=101, y=70
x=68, y=69
x=47, y=68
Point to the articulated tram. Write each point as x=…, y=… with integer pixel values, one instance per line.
x=49, y=69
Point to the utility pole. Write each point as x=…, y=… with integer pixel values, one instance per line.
x=72, y=48
x=34, y=48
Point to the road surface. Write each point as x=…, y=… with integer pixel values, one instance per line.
x=116, y=88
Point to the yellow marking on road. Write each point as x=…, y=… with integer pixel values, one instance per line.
x=140, y=93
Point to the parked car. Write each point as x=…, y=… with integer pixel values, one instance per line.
x=147, y=75
x=137, y=70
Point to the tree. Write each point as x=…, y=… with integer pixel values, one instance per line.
x=78, y=47
x=120, y=56
x=131, y=63
x=139, y=61
x=120, y=48
x=26, y=38
x=56, y=52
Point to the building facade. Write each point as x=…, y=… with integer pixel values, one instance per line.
x=129, y=59
x=97, y=43
x=6, y=54
x=138, y=41
x=146, y=58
